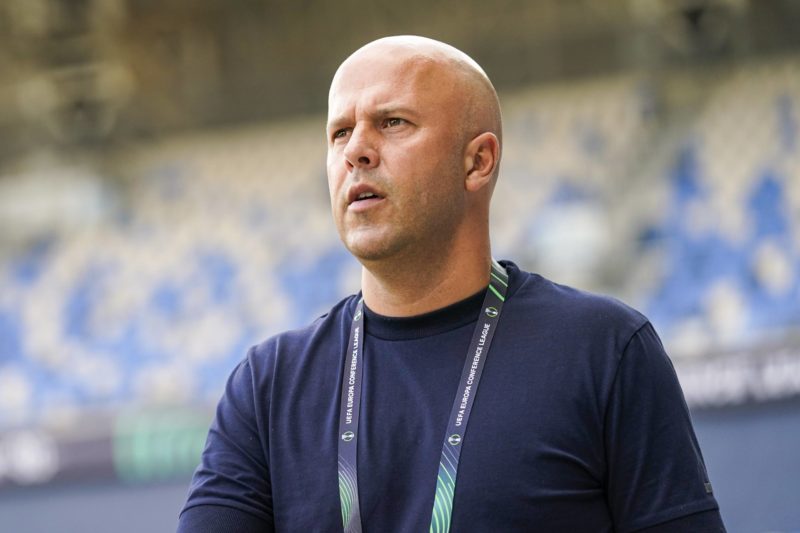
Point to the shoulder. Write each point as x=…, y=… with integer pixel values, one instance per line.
x=572, y=313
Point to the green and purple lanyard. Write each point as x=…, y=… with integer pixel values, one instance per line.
x=459, y=414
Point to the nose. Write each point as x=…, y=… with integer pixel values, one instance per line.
x=360, y=151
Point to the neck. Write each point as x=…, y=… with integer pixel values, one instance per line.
x=408, y=288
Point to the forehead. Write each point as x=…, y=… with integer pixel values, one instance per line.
x=373, y=80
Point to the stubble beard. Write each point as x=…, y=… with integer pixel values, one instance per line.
x=415, y=236
x=417, y=231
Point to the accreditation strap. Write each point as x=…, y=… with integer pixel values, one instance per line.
x=350, y=408
x=349, y=411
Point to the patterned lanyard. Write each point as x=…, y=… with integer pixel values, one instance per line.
x=456, y=426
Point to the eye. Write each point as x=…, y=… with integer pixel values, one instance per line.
x=393, y=122
x=340, y=133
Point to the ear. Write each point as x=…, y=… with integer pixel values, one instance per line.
x=480, y=160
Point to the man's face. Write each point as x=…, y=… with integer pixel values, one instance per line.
x=395, y=155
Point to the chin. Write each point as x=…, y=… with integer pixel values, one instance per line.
x=369, y=255
x=370, y=250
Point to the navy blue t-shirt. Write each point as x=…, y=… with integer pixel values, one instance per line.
x=579, y=424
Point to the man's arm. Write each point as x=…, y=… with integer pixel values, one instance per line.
x=656, y=476
x=230, y=490
x=219, y=519
x=703, y=522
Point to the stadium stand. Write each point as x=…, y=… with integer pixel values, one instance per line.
x=217, y=240
x=731, y=229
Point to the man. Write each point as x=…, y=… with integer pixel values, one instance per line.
x=404, y=412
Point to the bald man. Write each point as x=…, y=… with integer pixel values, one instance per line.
x=454, y=392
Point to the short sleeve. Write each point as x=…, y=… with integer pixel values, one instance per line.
x=655, y=471
x=230, y=489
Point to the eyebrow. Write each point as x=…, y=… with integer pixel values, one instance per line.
x=395, y=110
x=380, y=112
x=336, y=123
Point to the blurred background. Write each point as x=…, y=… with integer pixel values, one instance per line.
x=164, y=205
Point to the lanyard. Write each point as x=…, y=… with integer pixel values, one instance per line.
x=350, y=409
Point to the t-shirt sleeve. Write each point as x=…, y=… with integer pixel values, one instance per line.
x=230, y=490
x=656, y=473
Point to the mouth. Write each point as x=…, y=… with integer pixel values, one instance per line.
x=362, y=196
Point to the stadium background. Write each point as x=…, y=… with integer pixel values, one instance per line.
x=163, y=206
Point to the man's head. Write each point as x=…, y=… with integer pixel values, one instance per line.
x=414, y=134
